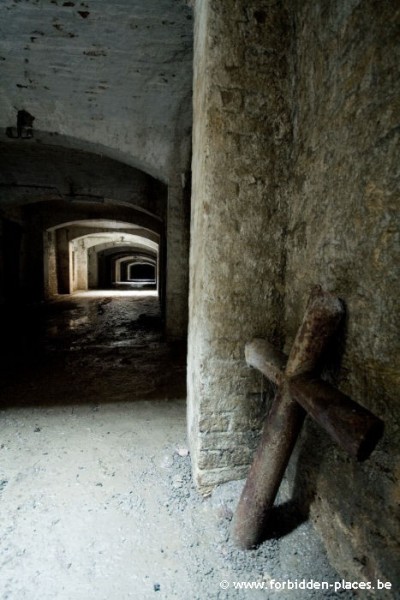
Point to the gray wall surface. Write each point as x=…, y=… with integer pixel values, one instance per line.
x=295, y=181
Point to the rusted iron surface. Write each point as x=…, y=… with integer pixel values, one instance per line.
x=299, y=392
x=321, y=319
x=263, y=356
x=279, y=436
x=352, y=426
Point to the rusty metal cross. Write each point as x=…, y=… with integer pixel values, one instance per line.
x=299, y=391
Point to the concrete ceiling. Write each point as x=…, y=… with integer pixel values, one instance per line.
x=113, y=78
x=96, y=239
x=100, y=223
x=28, y=168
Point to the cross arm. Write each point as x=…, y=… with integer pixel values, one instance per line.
x=353, y=427
x=264, y=357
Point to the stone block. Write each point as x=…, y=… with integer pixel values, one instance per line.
x=214, y=423
x=206, y=480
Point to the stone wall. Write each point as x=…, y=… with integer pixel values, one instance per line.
x=296, y=123
x=240, y=148
x=342, y=234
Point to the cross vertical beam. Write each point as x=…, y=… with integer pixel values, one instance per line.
x=299, y=392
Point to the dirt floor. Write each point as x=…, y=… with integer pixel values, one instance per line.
x=97, y=501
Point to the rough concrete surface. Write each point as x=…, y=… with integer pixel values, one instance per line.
x=114, y=78
x=97, y=497
x=75, y=175
x=343, y=225
x=295, y=184
x=240, y=96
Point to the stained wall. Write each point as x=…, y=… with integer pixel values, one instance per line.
x=295, y=183
x=240, y=146
x=343, y=233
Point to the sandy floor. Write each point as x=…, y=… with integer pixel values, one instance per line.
x=95, y=486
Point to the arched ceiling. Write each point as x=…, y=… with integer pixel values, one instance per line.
x=136, y=259
x=73, y=175
x=136, y=241
x=113, y=78
x=111, y=249
x=53, y=214
x=100, y=227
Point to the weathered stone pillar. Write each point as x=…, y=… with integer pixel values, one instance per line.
x=81, y=266
x=92, y=269
x=50, y=264
x=63, y=261
x=240, y=156
x=177, y=256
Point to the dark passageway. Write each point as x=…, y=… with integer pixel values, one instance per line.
x=90, y=348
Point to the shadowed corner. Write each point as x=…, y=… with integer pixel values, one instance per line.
x=282, y=520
